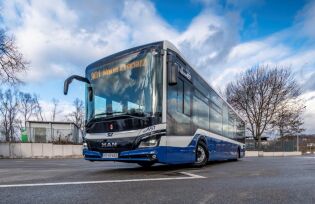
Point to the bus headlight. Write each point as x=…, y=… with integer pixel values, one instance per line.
x=85, y=146
x=149, y=142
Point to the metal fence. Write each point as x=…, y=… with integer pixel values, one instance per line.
x=47, y=135
x=275, y=145
x=302, y=143
x=53, y=135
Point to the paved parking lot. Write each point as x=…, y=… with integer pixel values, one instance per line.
x=251, y=180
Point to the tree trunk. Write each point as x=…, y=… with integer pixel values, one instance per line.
x=7, y=136
x=259, y=142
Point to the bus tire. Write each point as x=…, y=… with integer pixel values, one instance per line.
x=202, y=154
x=145, y=164
x=238, y=153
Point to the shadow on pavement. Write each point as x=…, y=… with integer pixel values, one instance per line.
x=162, y=168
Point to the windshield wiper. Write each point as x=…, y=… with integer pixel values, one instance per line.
x=132, y=116
x=109, y=113
x=99, y=114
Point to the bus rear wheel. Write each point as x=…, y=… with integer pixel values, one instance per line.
x=238, y=153
x=145, y=164
x=202, y=155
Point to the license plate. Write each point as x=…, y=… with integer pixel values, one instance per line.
x=110, y=155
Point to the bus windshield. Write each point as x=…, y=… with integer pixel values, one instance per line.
x=130, y=84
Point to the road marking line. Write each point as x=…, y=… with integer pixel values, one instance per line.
x=192, y=175
x=188, y=176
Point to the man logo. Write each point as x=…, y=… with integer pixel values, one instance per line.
x=109, y=134
x=109, y=144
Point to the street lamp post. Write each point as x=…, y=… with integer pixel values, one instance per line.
x=297, y=142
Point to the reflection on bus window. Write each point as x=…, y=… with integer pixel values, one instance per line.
x=100, y=105
x=135, y=107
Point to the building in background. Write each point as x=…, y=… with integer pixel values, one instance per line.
x=53, y=132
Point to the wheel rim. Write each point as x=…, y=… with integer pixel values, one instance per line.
x=201, y=154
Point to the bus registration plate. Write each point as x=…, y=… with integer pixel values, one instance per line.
x=110, y=155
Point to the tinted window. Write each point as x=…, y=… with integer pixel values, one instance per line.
x=180, y=92
x=200, y=111
x=197, y=105
x=178, y=109
x=232, y=124
x=215, y=113
x=187, y=96
x=127, y=84
x=225, y=113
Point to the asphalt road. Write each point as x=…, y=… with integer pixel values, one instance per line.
x=251, y=180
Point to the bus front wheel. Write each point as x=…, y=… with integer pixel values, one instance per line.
x=202, y=154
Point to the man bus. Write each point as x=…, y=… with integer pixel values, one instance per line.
x=148, y=105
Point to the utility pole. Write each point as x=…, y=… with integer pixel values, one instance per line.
x=297, y=142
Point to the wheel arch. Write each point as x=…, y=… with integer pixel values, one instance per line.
x=202, y=138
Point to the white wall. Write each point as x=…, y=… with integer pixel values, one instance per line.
x=39, y=150
x=271, y=154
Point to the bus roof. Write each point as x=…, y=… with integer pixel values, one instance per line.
x=119, y=54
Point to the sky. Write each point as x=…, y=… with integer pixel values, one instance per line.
x=219, y=38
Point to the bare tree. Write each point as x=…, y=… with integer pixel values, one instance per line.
x=258, y=94
x=11, y=60
x=55, y=111
x=9, y=108
x=27, y=106
x=77, y=116
x=38, y=109
x=287, y=119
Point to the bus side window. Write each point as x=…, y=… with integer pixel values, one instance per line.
x=187, y=99
x=225, y=114
x=216, y=113
x=200, y=111
x=180, y=93
x=183, y=97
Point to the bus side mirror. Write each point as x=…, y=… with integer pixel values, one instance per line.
x=90, y=93
x=172, y=72
x=69, y=80
x=66, y=86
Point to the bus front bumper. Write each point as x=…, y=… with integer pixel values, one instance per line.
x=151, y=154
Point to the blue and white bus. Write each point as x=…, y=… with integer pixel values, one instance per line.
x=148, y=105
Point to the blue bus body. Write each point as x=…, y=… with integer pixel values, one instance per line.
x=135, y=115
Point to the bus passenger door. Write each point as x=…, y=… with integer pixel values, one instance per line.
x=179, y=131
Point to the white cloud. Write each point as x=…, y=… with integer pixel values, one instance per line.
x=58, y=37
x=63, y=109
x=49, y=35
x=209, y=39
x=305, y=20
x=309, y=113
x=62, y=37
